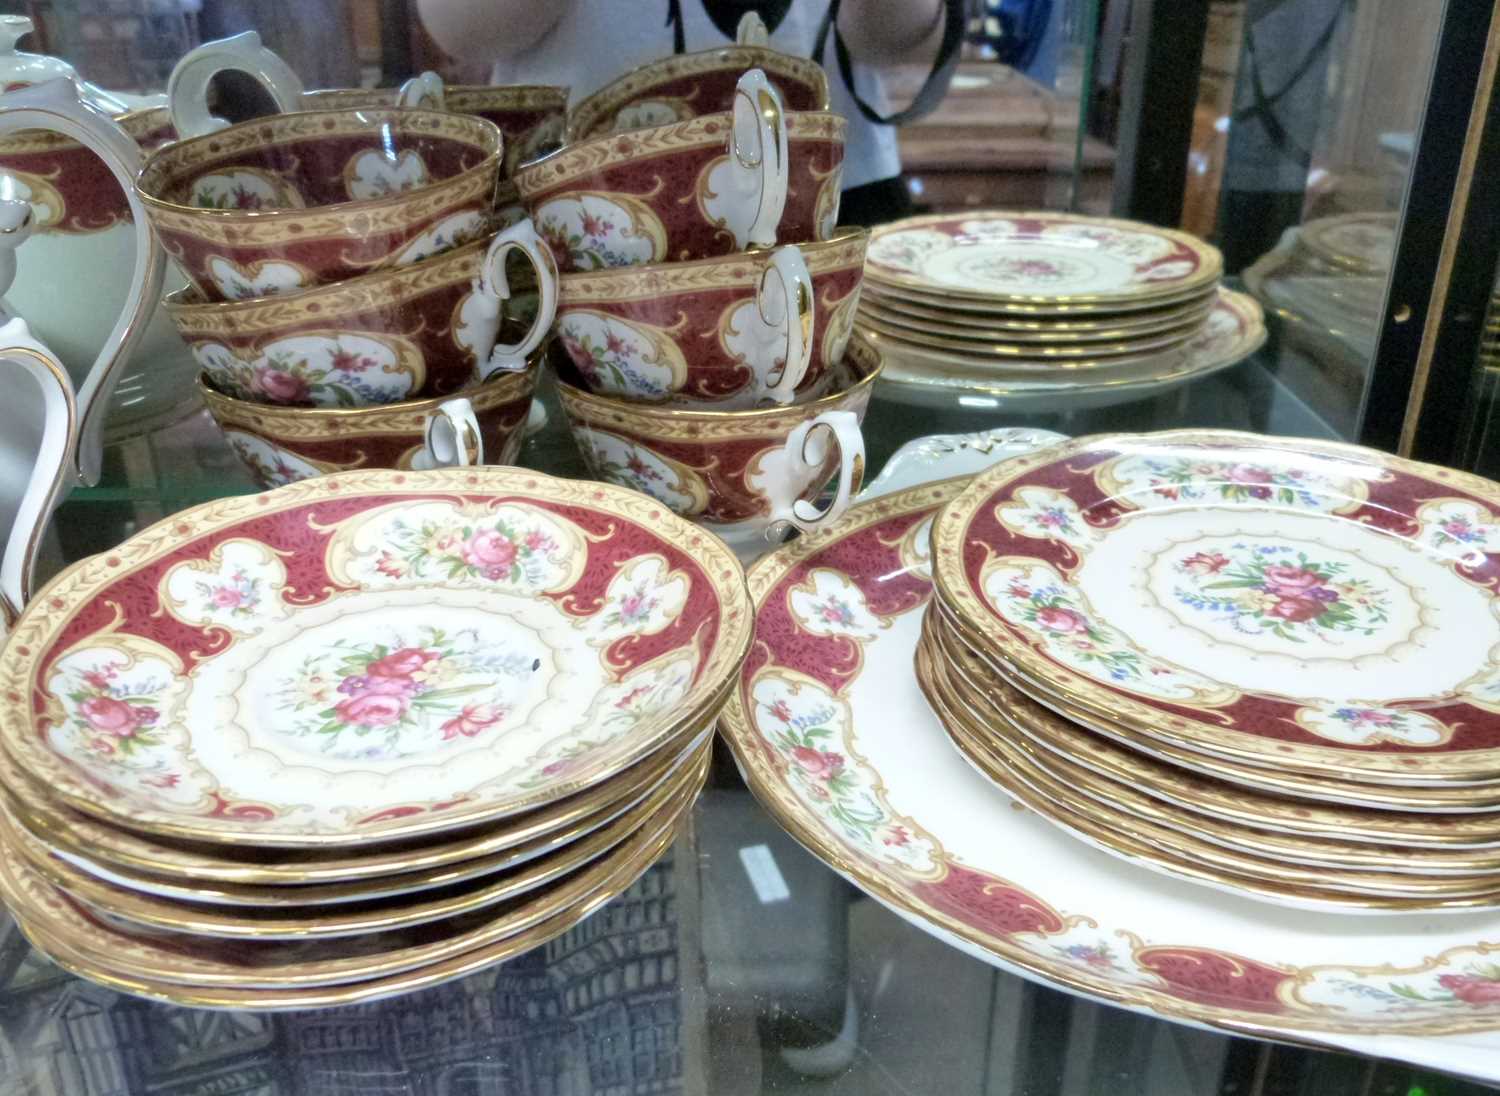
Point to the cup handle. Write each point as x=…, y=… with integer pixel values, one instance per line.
x=187, y=87
x=757, y=142
x=522, y=237
x=806, y=449
x=56, y=106
x=794, y=317
x=22, y=354
x=424, y=92
x=451, y=437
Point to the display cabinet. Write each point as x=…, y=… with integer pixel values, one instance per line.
x=1341, y=155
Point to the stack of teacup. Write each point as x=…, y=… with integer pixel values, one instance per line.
x=349, y=300
x=706, y=300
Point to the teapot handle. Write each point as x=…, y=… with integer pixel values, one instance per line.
x=187, y=87
x=22, y=354
x=56, y=107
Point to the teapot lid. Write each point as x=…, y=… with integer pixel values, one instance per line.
x=18, y=69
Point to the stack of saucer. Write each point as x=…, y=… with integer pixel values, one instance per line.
x=1266, y=665
x=1055, y=307
x=361, y=734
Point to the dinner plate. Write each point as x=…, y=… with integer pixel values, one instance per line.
x=275, y=976
x=370, y=656
x=556, y=848
x=996, y=735
x=109, y=849
x=1360, y=242
x=969, y=342
x=915, y=312
x=1039, y=258
x=1468, y=840
x=834, y=737
x=1302, y=605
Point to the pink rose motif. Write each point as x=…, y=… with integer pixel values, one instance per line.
x=105, y=713
x=1257, y=480
x=402, y=662
x=1471, y=989
x=1286, y=579
x=281, y=386
x=490, y=552
x=371, y=709
x=227, y=597
x=1062, y=621
x=782, y=711
x=538, y=541
x=390, y=566
x=1297, y=609
x=1205, y=563
x=558, y=767
x=98, y=679
x=469, y=722
x=614, y=344
x=817, y=763
x=897, y=836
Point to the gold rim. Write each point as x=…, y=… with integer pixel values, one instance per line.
x=139, y=124
x=1022, y=310
x=647, y=281
x=127, y=853
x=1139, y=841
x=73, y=589
x=457, y=98
x=590, y=111
x=1000, y=328
x=1074, y=354
x=322, y=910
x=685, y=423
x=1081, y=694
x=141, y=965
x=164, y=167
x=1210, y=263
x=1000, y=731
x=1458, y=833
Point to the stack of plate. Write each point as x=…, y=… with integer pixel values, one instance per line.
x=358, y=735
x=1272, y=666
x=1049, y=306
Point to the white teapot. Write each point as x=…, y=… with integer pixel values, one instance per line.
x=71, y=279
x=51, y=435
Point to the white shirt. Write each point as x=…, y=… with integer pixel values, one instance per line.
x=596, y=41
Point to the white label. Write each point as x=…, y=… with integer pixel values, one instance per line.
x=764, y=875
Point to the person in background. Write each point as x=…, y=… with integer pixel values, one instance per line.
x=587, y=43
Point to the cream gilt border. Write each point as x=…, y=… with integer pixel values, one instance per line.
x=53, y=608
x=138, y=123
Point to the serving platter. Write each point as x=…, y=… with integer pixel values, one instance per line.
x=1040, y=259
x=834, y=737
x=1297, y=605
x=265, y=670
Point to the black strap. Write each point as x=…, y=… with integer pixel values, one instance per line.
x=933, y=90
x=674, y=20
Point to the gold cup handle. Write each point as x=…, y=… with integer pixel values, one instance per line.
x=56, y=106
x=784, y=302
x=806, y=449
x=521, y=237
x=187, y=87
x=757, y=142
x=451, y=437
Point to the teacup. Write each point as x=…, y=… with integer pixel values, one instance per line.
x=284, y=203
x=687, y=190
x=407, y=332
x=722, y=334
x=690, y=85
x=748, y=476
x=285, y=444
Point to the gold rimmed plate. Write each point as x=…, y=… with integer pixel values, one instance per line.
x=1040, y=258
x=337, y=921
x=941, y=321
x=279, y=976
x=371, y=656
x=1040, y=355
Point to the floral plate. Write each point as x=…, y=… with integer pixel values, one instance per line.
x=371, y=655
x=275, y=974
x=1040, y=258
x=834, y=737
x=1234, y=330
x=1289, y=604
